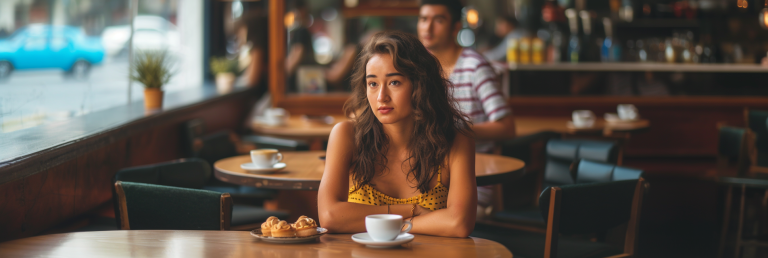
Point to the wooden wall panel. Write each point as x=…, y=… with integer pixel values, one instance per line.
x=45, y=199
x=40, y=201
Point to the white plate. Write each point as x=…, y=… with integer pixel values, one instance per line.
x=364, y=238
x=287, y=240
x=250, y=167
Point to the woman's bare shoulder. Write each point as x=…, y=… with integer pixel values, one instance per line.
x=463, y=143
x=344, y=128
x=343, y=133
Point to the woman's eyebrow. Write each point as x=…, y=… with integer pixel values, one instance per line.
x=388, y=75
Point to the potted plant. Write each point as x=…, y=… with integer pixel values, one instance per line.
x=153, y=69
x=224, y=69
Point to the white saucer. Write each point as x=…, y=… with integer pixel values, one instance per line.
x=250, y=167
x=364, y=238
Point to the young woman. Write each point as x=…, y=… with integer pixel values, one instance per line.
x=408, y=150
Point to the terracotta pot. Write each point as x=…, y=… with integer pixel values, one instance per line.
x=225, y=82
x=153, y=98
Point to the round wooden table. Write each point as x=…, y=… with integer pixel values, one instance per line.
x=305, y=169
x=298, y=127
x=531, y=125
x=189, y=243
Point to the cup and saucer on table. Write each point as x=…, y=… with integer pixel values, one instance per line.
x=274, y=117
x=582, y=119
x=627, y=113
x=384, y=231
x=264, y=161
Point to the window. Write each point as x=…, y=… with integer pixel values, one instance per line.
x=64, y=58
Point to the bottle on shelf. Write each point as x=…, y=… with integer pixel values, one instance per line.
x=574, y=45
x=627, y=12
x=669, y=52
x=537, y=50
x=631, y=52
x=611, y=49
x=642, y=54
x=512, y=52
x=590, y=50
x=555, y=45
x=524, y=55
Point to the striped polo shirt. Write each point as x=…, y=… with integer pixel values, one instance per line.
x=477, y=92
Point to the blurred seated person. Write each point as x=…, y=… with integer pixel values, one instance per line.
x=408, y=152
x=506, y=28
x=300, y=51
x=338, y=74
x=251, y=40
x=474, y=85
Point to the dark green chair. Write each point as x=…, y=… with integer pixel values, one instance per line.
x=733, y=149
x=561, y=154
x=560, y=158
x=149, y=206
x=194, y=173
x=588, y=171
x=573, y=212
x=592, y=208
x=757, y=121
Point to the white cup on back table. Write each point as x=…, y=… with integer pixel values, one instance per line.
x=627, y=111
x=276, y=116
x=583, y=118
x=266, y=158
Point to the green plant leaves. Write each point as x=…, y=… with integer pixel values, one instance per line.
x=152, y=68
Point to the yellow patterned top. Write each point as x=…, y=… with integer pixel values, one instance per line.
x=434, y=199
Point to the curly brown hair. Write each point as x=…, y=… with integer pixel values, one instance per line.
x=437, y=118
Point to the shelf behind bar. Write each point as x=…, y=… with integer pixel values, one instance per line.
x=641, y=67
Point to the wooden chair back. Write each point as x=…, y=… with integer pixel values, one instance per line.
x=148, y=206
x=584, y=208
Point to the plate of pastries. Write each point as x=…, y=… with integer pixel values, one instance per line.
x=274, y=230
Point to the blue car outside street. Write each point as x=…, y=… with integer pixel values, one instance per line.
x=50, y=46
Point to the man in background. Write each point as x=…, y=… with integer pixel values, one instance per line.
x=474, y=82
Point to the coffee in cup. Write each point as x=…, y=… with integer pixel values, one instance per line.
x=386, y=227
x=266, y=158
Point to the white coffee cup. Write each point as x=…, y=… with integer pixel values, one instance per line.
x=627, y=111
x=386, y=227
x=275, y=116
x=266, y=158
x=583, y=118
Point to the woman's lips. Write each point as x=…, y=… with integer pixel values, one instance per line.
x=385, y=110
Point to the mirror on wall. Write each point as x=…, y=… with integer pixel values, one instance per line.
x=323, y=39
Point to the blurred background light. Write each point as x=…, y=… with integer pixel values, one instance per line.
x=323, y=46
x=290, y=19
x=237, y=9
x=473, y=18
x=350, y=3
x=466, y=37
x=764, y=18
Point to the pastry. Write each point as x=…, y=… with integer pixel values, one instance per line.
x=266, y=227
x=305, y=226
x=283, y=229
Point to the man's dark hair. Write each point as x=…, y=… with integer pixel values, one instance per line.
x=454, y=7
